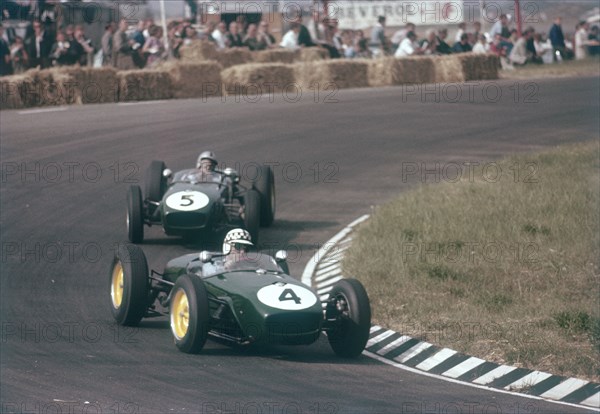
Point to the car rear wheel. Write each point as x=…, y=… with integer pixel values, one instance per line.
x=128, y=280
x=350, y=310
x=265, y=185
x=252, y=214
x=189, y=314
x=135, y=218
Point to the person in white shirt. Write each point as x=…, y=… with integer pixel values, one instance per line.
x=581, y=41
x=461, y=30
x=408, y=47
x=481, y=47
x=290, y=39
x=219, y=35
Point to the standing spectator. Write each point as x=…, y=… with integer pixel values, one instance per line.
x=138, y=35
x=348, y=45
x=193, y=6
x=430, y=44
x=207, y=34
x=87, y=57
x=61, y=53
x=408, y=47
x=264, y=37
x=336, y=39
x=76, y=51
x=122, y=48
x=582, y=41
x=20, y=60
x=361, y=45
x=462, y=27
x=481, y=47
x=594, y=39
x=379, y=42
x=38, y=47
x=400, y=35
x=234, y=39
x=476, y=33
x=557, y=38
x=304, y=37
x=317, y=28
x=251, y=40
x=154, y=47
x=219, y=35
x=5, y=54
x=107, y=44
x=443, y=48
x=190, y=35
x=290, y=39
x=501, y=28
x=463, y=45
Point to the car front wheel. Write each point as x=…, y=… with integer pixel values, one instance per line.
x=189, y=314
x=349, y=314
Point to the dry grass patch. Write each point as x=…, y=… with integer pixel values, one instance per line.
x=574, y=68
x=504, y=267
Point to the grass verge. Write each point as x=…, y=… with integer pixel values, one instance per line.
x=573, y=68
x=502, y=264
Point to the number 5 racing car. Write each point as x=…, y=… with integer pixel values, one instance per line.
x=201, y=201
x=252, y=301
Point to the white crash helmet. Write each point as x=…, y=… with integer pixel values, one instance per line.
x=206, y=155
x=236, y=236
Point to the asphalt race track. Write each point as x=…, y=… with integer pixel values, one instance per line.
x=64, y=178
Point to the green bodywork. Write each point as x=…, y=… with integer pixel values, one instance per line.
x=237, y=291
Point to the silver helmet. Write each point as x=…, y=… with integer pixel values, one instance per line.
x=206, y=155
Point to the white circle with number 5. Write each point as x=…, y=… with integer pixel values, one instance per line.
x=287, y=297
x=187, y=200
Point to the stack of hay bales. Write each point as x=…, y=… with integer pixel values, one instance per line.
x=449, y=69
x=276, y=56
x=94, y=85
x=235, y=56
x=144, y=85
x=390, y=71
x=194, y=80
x=48, y=87
x=257, y=78
x=11, y=89
x=198, y=51
x=479, y=67
x=341, y=73
x=311, y=54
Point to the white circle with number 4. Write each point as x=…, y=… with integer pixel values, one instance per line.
x=286, y=297
x=187, y=200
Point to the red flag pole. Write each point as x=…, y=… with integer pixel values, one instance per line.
x=518, y=17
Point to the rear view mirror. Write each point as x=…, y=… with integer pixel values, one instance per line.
x=205, y=257
x=167, y=173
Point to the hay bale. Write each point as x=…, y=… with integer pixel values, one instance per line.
x=194, y=80
x=10, y=91
x=340, y=72
x=312, y=54
x=144, y=85
x=276, y=56
x=235, y=56
x=448, y=69
x=257, y=78
x=391, y=71
x=479, y=67
x=95, y=85
x=48, y=87
x=198, y=51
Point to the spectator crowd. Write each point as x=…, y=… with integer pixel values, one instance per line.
x=124, y=47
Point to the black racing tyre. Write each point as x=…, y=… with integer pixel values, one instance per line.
x=128, y=279
x=189, y=314
x=265, y=185
x=252, y=214
x=350, y=307
x=135, y=215
x=156, y=183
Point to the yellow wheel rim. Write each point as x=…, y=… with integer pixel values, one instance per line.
x=116, y=286
x=180, y=314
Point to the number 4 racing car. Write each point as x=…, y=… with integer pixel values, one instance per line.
x=252, y=301
x=201, y=201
